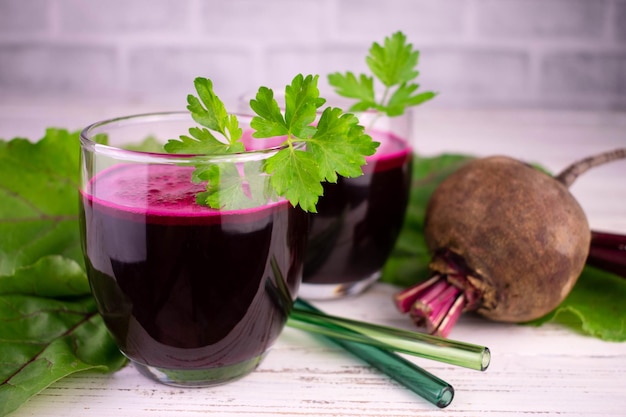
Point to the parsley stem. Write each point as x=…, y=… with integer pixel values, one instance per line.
x=383, y=100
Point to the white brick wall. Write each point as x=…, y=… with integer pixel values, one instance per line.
x=530, y=53
x=556, y=19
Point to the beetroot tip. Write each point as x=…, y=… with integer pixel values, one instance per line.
x=435, y=304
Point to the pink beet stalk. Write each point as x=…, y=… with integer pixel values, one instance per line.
x=405, y=298
x=437, y=309
x=435, y=304
x=451, y=317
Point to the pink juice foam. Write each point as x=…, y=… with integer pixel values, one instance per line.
x=167, y=194
x=392, y=152
x=159, y=194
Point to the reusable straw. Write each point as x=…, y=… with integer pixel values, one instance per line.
x=418, y=344
x=421, y=382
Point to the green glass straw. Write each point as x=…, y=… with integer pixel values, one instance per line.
x=421, y=382
x=306, y=317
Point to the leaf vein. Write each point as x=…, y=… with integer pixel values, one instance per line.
x=34, y=358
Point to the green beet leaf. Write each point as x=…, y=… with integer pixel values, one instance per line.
x=50, y=329
x=39, y=203
x=49, y=326
x=50, y=277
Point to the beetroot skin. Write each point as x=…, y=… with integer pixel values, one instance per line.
x=507, y=241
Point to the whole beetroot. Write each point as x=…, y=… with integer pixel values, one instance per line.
x=507, y=241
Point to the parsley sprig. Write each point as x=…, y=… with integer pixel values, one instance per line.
x=333, y=145
x=394, y=65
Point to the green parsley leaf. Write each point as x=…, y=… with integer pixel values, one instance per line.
x=348, y=85
x=340, y=145
x=336, y=146
x=311, y=153
x=301, y=103
x=208, y=111
x=214, y=115
x=201, y=141
x=403, y=97
x=394, y=66
x=294, y=174
x=224, y=184
x=395, y=62
x=302, y=99
x=228, y=186
x=270, y=121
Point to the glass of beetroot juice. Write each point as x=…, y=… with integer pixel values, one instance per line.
x=358, y=220
x=193, y=296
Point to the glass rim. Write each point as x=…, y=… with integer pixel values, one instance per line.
x=86, y=141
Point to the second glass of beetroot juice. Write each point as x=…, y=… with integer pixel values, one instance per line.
x=358, y=220
x=193, y=296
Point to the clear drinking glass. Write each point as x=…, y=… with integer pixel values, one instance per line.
x=358, y=220
x=193, y=296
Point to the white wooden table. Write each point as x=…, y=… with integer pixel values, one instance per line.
x=548, y=371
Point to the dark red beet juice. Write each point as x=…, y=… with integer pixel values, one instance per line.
x=181, y=286
x=359, y=219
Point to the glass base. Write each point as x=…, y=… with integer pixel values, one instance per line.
x=309, y=291
x=199, y=378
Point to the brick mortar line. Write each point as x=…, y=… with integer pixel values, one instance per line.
x=142, y=40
